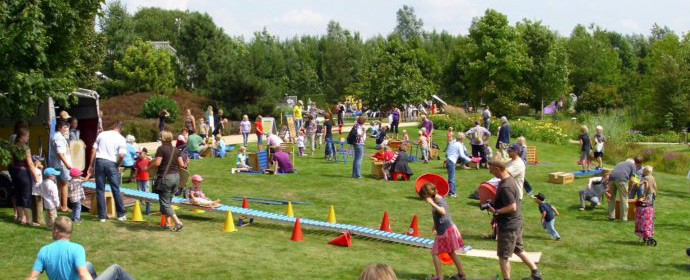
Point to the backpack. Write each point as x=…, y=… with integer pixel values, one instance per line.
x=477, y=136
x=352, y=136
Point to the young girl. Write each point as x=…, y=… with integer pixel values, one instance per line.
x=599, y=140
x=203, y=128
x=405, y=138
x=424, y=145
x=37, y=210
x=585, y=148
x=644, y=214
x=300, y=142
x=220, y=146
x=388, y=160
x=449, y=136
x=448, y=238
x=142, y=172
x=242, y=165
x=76, y=194
x=197, y=196
x=259, y=131
x=245, y=128
x=548, y=215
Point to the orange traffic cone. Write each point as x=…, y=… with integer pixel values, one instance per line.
x=245, y=204
x=164, y=220
x=445, y=258
x=413, y=231
x=297, y=232
x=344, y=240
x=385, y=224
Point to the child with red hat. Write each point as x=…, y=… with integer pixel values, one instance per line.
x=76, y=194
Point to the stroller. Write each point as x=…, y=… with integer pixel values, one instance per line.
x=644, y=223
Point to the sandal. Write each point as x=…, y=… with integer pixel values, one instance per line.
x=459, y=276
x=178, y=227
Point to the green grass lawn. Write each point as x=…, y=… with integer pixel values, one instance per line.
x=591, y=248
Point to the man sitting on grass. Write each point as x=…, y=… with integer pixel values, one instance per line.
x=63, y=259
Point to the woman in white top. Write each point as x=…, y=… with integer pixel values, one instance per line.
x=245, y=128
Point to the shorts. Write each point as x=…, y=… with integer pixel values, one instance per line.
x=584, y=155
x=598, y=154
x=509, y=242
x=64, y=175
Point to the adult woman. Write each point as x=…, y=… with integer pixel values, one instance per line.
x=503, y=138
x=359, y=146
x=189, y=122
x=259, y=131
x=328, y=135
x=168, y=157
x=23, y=176
x=245, y=128
x=208, y=116
x=310, y=127
x=395, y=122
x=218, y=120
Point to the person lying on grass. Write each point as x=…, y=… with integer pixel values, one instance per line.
x=197, y=196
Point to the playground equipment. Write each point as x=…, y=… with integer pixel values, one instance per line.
x=385, y=223
x=345, y=240
x=440, y=183
x=331, y=215
x=297, y=232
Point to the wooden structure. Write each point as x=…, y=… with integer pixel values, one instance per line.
x=632, y=207
x=377, y=169
x=109, y=205
x=532, y=155
x=561, y=178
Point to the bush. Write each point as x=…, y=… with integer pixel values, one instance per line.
x=662, y=160
x=542, y=131
x=145, y=130
x=158, y=102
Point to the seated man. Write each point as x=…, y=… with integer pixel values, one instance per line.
x=281, y=162
x=195, y=146
x=400, y=163
x=595, y=188
x=63, y=259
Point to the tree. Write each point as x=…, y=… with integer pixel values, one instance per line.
x=547, y=76
x=409, y=26
x=340, y=60
x=118, y=27
x=670, y=81
x=156, y=24
x=200, y=42
x=145, y=68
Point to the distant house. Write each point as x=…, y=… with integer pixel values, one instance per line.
x=165, y=45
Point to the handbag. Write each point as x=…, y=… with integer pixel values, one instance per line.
x=158, y=183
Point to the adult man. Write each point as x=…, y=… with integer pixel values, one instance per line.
x=618, y=186
x=478, y=137
x=60, y=159
x=297, y=114
x=194, y=145
x=281, y=162
x=516, y=167
x=595, y=188
x=486, y=116
x=106, y=157
x=455, y=151
x=506, y=209
x=63, y=259
x=361, y=136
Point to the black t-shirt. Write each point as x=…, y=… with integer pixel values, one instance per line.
x=161, y=121
x=507, y=194
x=381, y=136
x=328, y=126
x=586, y=143
x=165, y=152
x=545, y=207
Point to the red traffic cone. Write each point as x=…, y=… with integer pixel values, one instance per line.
x=413, y=231
x=245, y=204
x=164, y=220
x=385, y=224
x=344, y=240
x=297, y=232
x=445, y=258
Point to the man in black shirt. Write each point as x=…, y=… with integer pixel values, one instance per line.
x=509, y=220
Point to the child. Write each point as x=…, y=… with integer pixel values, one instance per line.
x=449, y=136
x=488, y=151
x=378, y=272
x=300, y=142
x=242, y=165
x=220, y=146
x=197, y=196
x=142, y=173
x=49, y=193
x=406, y=139
x=76, y=194
x=644, y=214
x=599, y=140
x=388, y=160
x=585, y=148
x=203, y=129
x=319, y=133
x=448, y=238
x=37, y=210
x=378, y=156
x=548, y=216
x=424, y=145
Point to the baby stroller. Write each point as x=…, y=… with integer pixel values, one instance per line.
x=644, y=223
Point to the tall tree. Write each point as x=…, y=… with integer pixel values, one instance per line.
x=117, y=26
x=341, y=57
x=670, y=81
x=156, y=24
x=145, y=68
x=409, y=27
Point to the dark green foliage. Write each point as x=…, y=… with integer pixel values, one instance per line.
x=156, y=103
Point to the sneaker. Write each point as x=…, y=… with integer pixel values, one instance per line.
x=178, y=227
x=536, y=276
x=611, y=219
x=453, y=195
x=558, y=239
x=581, y=209
x=122, y=218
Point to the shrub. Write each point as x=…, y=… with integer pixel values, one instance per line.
x=542, y=131
x=661, y=159
x=145, y=130
x=158, y=102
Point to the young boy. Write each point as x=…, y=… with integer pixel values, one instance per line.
x=548, y=215
x=142, y=168
x=49, y=192
x=37, y=209
x=76, y=194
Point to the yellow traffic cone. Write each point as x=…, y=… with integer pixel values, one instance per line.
x=229, y=223
x=136, y=213
x=331, y=215
x=175, y=207
x=289, y=212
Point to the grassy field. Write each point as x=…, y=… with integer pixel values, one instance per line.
x=591, y=248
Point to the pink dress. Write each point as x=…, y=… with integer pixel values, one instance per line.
x=450, y=240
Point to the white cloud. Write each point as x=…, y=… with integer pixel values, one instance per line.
x=134, y=5
x=301, y=17
x=451, y=10
x=630, y=26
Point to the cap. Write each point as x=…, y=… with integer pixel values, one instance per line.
x=514, y=147
x=50, y=172
x=75, y=172
x=64, y=115
x=197, y=178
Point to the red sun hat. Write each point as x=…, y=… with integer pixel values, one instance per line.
x=438, y=181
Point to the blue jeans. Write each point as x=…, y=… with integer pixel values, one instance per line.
x=487, y=124
x=259, y=140
x=550, y=228
x=450, y=166
x=330, y=147
x=357, y=161
x=113, y=272
x=76, y=211
x=142, y=185
x=105, y=168
x=245, y=138
x=298, y=124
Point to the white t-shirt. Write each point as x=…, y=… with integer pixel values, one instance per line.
x=59, y=145
x=36, y=189
x=516, y=168
x=49, y=192
x=109, y=144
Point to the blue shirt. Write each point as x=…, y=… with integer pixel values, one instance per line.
x=456, y=150
x=130, y=155
x=60, y=260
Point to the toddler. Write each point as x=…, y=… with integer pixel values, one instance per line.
x=300, y=142
x=220, y=146
x=548, y=216
x=197, y=196
x=37, y=211
x=49, y=193
x=242, y=165
x=424, y=145
x=76, y=194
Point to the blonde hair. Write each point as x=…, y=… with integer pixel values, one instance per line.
x=377, y=271
x=421, y=132
x=218, y=136
x=584, y=129
x=647, y=169
x=243, y=149
x=522, y=141
x=600, y=128
x=166, y=136
x=63, y=227
x=504, y=119
x=245, y=118
x=460, y=136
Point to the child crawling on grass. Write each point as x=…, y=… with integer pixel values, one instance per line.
x=448, y=238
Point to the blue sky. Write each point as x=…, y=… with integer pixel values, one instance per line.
x=296, y=17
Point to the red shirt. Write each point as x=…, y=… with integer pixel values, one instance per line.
x=259, y=128
x=142, y=167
